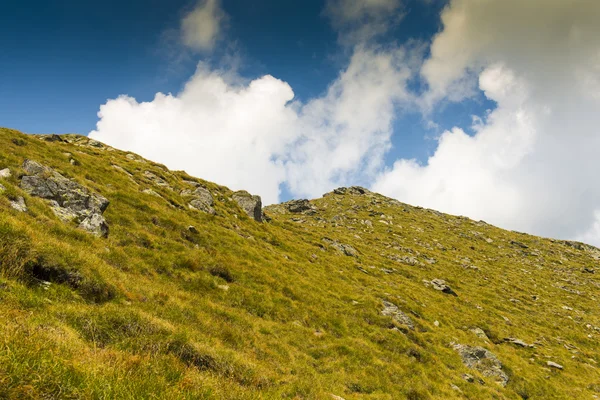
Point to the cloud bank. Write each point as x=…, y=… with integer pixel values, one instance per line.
x=529, y=164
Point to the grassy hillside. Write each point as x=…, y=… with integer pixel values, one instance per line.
x=327, y=298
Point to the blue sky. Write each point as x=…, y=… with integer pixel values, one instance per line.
x=62, y=62
x=476, y=107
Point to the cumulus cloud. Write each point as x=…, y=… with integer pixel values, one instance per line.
x=253, y=136
x=531, y=163
x=201, y=27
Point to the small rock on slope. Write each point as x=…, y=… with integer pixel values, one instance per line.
x=483, y=361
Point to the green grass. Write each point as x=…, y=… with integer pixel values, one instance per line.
x=242, y=310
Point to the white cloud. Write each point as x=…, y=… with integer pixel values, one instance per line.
x=250, y=136
x=201, y=27
x=532, y=162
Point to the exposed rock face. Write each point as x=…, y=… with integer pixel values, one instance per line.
x=392, y=310
x=68, y=199
x=249, y=203
x=157, y=180
x=483, y=361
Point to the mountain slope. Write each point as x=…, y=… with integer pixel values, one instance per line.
x=353, y=295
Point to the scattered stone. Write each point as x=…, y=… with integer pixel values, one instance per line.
x=552, y=364
x=157, y=180
x=519, y=244
x=51, y=138
x=249, y=203
x=482, y=360
x=440, y=284
x=68, y=199
x=588, y=270
x=192, y=229
x=518, y=342
x=334, y=397
x=479, y=333
x=469, y=378
x=19, y=204
x=391, y=310
x=436, y=323
x=356, y=190
x=345, y=249
x=5, y=173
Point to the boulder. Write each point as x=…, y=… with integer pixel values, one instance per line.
x=345, y=249
x=392, y=310
x=68, y=199
x=298, y=206
x=201, y=200
x=252, y=205
x=482, y=360
x=5, y=173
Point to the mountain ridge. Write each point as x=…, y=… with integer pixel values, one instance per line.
x=353, y=294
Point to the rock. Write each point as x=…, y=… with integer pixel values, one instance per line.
x=298, y=206
x=252, y=205
x=334, y=397
x=356, y=190
x=5, y=173
x=68, y=199
x=482, y=360
x=391, y=310
x=19, y=204
x=440, y=284
x=95, y=224
x=479, y=333
x=51, y=138
x=157, y=180
x=192, y=229
x=588, y=270
x=201, y=200
x=519, y=244
x=518, y=342
x=552, y=364
x=469, y=378
x=345, y=249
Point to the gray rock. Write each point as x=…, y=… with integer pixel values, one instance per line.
x=19, y=204
x=95, y=224
x=482, y=360
x=392, y=310
x=298, y=206
x=201, y=200
x=157, y=180
x=518, y=342
x=5, y=173
x=440, y=284
x=552, y=364
x=345, y=249
x=151, y=192
x=479, y=333
x=68, y=199
x=252, y=205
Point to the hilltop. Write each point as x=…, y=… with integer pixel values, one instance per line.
x=122, y=279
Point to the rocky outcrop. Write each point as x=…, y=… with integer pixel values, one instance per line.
x=355, y=190
x=249, y=203
x=482, y=360
x=68, y=199
x=299, y=206
x=200, y=199
x=392, y=310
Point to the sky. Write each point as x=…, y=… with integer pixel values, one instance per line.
x=483, y=108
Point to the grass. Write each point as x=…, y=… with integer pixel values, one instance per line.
x=242, y=310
